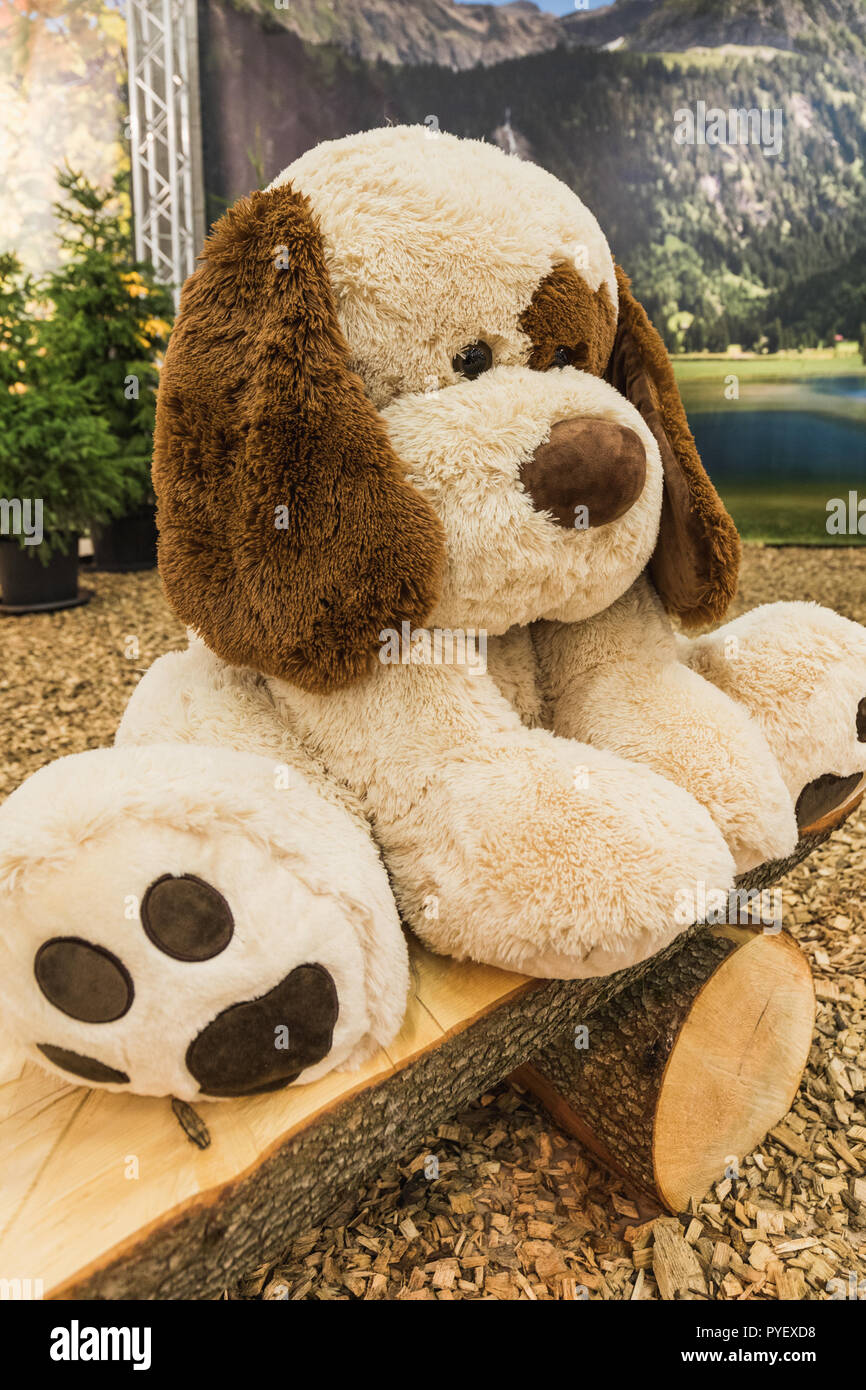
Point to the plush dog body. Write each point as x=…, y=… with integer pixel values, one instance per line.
x=410, y=403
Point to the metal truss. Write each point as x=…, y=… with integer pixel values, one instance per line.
x=165, y=135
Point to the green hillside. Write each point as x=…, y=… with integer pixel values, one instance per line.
x=725, y=243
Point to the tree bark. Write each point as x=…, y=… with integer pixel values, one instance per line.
x=679, y=1075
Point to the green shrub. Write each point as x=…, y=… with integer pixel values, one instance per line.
x=53, y=446
x=111, y=319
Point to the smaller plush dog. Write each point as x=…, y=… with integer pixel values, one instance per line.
x=411, y=406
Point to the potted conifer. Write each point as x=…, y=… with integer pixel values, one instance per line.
x=58, y=467
x=113, y=318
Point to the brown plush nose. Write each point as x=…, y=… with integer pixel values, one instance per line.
x=594, y=464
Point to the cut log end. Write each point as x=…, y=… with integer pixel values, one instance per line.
x=685, y=1073
x=735, y=1067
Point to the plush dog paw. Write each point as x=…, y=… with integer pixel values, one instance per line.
x=555, y=859
x=234, y=1054
x=800, y=671
x=666, y=717
x=171, y=923
x=828, y=800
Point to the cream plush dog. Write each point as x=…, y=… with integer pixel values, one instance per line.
x=431, y=509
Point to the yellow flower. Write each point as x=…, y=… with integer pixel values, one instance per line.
x=135, y=287
x=40, y=352
x=156, y=328
x=18, y=388
x=21, y=364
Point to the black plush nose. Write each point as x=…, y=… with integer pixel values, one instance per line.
x=591, y=464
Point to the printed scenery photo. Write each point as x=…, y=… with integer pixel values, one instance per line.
x=433, y=664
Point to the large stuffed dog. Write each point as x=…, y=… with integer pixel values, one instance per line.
x=429, y=504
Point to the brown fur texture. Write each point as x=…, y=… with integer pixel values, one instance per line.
x=258, y=411
x=697, y=558
x=565, y=312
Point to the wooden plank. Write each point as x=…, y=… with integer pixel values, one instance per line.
x=104, y=1168
x=454, y=993
x=86, y=1172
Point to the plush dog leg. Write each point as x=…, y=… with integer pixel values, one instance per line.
x=614, y=681
x=190, y=920
x=194, y=697
x=800, y=672
x=505, y=844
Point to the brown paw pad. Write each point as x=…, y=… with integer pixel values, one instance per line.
x=826, y=801
x=861, y=720
x=84, y=981
x=264, y=1044
x=186, y=918
x=85, y=1068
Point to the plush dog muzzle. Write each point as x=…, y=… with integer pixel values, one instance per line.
x=548, y=485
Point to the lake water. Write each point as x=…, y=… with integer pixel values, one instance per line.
x=781, y=452
x=779, y=444
x=852, y=387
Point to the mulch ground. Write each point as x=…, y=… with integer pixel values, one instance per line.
x=519, y=1210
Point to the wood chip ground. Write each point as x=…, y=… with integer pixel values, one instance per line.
x=519, y=1211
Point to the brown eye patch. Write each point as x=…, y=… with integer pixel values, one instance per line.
x=568, y=323
x=566, y=356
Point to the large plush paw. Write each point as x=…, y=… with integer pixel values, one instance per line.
x=177, y=920
x=554, y=859
x=667, y=717
x=800, y=671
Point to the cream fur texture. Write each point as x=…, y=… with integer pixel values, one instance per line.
x=506, y=563
x=505, y=844
x=615, y=682
x=433, y=242
x=193, y=697
x=800, y=672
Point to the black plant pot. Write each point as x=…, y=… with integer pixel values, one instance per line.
x=127, y=544
x=28, y=586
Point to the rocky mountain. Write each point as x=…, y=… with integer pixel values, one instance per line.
x=464, y=35
x=417, y=31
x=675, y=25
x=725, y=242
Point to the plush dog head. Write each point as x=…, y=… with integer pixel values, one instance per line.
x=408, y=381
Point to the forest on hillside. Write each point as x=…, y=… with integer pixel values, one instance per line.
x=724, y=243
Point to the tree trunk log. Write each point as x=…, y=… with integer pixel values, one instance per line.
x=683, y=1072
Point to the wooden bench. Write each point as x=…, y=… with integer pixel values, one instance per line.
x=691, y=1058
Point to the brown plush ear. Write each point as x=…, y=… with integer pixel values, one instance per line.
x=289, y=537
x=697, y=557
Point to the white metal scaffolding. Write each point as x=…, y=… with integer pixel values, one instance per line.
x=165, y=135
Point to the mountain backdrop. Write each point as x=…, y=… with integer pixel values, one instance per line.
x=725, y=242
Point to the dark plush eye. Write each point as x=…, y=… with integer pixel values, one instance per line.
x=471, y=361
x=570, y=357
